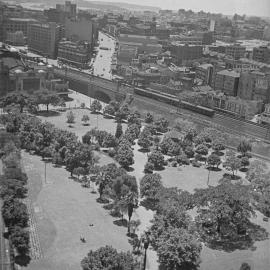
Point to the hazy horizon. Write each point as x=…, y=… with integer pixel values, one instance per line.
x=228, y=7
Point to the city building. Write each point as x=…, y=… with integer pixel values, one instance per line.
x=183, y=53
x=13, y=25
x=79, y=30
x=227, y=81
x=240, y=66
x=61, y=12
x=236, y=51
x=44, y=38
x=265, y=116
x=204, y=72
x=261, y=54
x=143, y=44
x=254, y=85
x=15, y=75
x=15, y=38
x=266, y=33
x=75, y=53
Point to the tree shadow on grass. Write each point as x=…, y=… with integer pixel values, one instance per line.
x=102, y=200
x=242, y=242
x=106, y=116
x=22, y=260
x=231, y=177
x=48, y=114
x=148, y=204
x=160, y=169
x=129, y=169
x=214, y=169
x=218, y=153
x=243, y=170
x=143, y=150
x=121, y=223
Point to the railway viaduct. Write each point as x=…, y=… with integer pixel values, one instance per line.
x=93, y=86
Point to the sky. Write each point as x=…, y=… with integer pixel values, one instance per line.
x=227, y=7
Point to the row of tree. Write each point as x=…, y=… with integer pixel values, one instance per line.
x=13, y=190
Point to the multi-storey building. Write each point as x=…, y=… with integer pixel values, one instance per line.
x=142, y=43
x=261, y=54
x=227, y=81
x=12, y=25
x=74, y=53
x=254, y=85
x=15, y=38
x=183, y=53
x=204, y=72
x=265, y=116
x=77, y=30
x=236, y=51
x=44, y=38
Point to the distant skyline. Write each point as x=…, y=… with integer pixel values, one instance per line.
x=227, y=7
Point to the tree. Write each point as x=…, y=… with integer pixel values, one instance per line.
x=107, y=258
x=14, y=213
x=213, y=160
x=119, y=131
x=144, y=140
x=245, y=266
x=161, y=125
x=256, y=169
x=202, y=149
x=20, y=240
x=95, y=106
x=86, y=138
x=232, y=163
x=157, y=159
x=109, y=110
x=70, y=117
x=150, y=186
x=122, y=113
x=244, y=162
x=149, y=118
x=244, y=147
x=46, y=97
x=177, y=248
x=125, y=156
x=109, y=141
x=134, y=118
x=218, y=145
x=85, y=119
x=20, y=98
x=228, y=210
x=149, y=167
x=189, y=152
x=169, y=147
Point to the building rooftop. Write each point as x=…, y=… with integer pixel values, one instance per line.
x=22, y=20
x=230, y=73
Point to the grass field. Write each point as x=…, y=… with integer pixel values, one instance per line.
x=64, y=210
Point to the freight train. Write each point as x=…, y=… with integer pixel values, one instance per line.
x=174, y=101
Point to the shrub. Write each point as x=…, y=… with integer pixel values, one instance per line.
x=183, y=159
x=195, y=163
x=149, y=167
x=112, y=152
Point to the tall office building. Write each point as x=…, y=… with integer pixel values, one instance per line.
x=44, y=38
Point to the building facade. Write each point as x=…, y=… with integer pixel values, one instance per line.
x=205, y=72
x=254, y=85
x=236, y=51
x=44, y=38
x=74, y=53
x=261, y=54
x=182, y=53
x=227, y=81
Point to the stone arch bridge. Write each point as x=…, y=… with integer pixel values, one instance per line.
x=93, y=86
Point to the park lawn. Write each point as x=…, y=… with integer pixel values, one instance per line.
x=96, y=120
x=190, y=178
x=63, y=212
